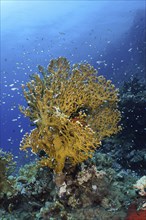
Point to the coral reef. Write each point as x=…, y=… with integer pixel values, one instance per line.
x=88, y=190
x=132, y=106
x=128, y=147
x=72, y=109
x=141, y=186
x=7, y=166
x=137, y=209
x=69, y=125
x=133, y=120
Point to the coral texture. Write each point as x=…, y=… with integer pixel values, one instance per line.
x=72, y=109
x=141, y=186
x=7, y=166
x=88, y=191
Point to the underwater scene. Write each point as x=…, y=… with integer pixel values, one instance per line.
x=73, y=110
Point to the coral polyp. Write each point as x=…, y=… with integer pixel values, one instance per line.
x=72, y=109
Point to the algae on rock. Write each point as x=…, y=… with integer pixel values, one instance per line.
x=7, y=166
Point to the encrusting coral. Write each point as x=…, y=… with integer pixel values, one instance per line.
x=7, y=166
x=141, y=186
x=72, y=109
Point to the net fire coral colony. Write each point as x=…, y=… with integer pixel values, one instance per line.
x=72, y=109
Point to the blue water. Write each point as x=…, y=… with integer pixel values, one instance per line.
x=107, y=34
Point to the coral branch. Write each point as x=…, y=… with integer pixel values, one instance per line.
x=73, y=110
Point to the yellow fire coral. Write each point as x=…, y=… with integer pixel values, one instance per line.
x=73, y=110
